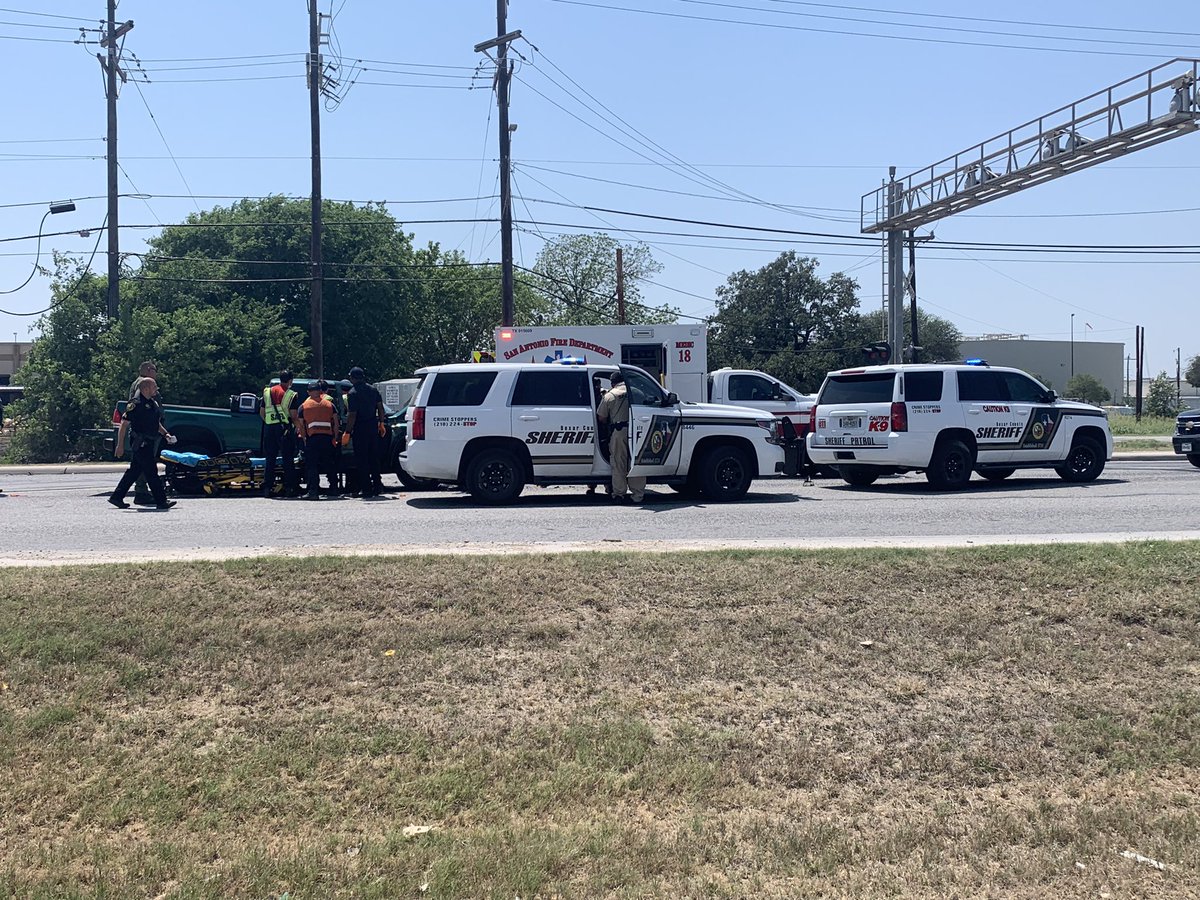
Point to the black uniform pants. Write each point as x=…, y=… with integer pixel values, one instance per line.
x=142, y=462
x=368, y=460
x=318, y=451
x=279, y=440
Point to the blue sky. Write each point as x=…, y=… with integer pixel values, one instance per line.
x=724, y=123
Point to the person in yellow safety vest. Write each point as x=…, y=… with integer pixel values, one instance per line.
x=278, y=412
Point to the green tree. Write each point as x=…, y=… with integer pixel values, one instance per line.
x=1087, y=388
x=1160, y=400
x=785, y=320
x=575, y=283
x=1192, y=375
x=939, y=337
x=258, y=250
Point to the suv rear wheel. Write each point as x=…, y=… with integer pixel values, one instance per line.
x=495, y=476
x=995, y=474
x=950, y=466
x=1194, y=459
x=858, y=476
x=725, y=474
x=1085, y=462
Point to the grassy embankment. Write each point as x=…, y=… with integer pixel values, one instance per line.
x=948, y=723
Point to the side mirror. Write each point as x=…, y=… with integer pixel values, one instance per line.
x=672, y=399
x=778, y=393
x=1051, y=396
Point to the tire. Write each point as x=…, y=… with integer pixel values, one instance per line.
x=995, y=474
x=1194, y=459
x=495, y=477
x=183, y=479
x=1085, y=462
x=725, y=474
x=858, y=475
x=950, y=466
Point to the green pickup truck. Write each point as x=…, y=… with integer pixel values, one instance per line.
x=213, y=431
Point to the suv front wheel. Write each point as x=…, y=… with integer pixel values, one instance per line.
x=950, y=466
x=495, y=477
x=1085, y=462
x=725, y=474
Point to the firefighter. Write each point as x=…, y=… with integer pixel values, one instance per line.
x=614, y=411
x=320, y=432
x=279, y=436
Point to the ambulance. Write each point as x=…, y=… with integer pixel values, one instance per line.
x=675, y=355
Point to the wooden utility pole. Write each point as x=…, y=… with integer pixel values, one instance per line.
x=620, y=287
x=503, y=76
x=110, y=67
x=316, y=333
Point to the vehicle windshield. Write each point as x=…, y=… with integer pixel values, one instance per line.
x=867, y=387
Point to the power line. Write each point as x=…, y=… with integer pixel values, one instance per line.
x=895, y=37
x=166, y=146
x=87, y=270
x=45, y=15
x=946, y=28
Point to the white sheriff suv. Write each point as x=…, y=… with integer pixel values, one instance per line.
x=951, y=420
x=492, y=428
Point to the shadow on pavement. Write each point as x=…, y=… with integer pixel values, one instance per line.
x=654, y=502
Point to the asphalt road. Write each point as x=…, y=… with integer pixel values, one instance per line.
x=49, y=518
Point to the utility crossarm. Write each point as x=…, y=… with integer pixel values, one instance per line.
x=1138, y=112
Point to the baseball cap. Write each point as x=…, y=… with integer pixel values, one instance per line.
x=616, y=378
x=345, y=384
x=357, y=374
x=316, y=385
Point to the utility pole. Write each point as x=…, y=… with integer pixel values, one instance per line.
x=503, y=78
x=620, y=286
x=1072, y=345
x=1178, y=379
x=895, y=251
x=1127, y=394
x=503, y=75
x=111, y=68
x=912, y=285
x=316, y=333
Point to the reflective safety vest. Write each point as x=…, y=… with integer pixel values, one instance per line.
x=278, y=415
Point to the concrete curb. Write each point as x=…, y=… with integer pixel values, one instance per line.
x=65, y=468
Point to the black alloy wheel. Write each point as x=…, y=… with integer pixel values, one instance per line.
x=1085, y=462
x=495, y=477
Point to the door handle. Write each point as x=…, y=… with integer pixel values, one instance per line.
x=973, y=412
x=529, y=418
x=643, y=418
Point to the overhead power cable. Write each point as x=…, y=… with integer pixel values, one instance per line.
x=895, y=37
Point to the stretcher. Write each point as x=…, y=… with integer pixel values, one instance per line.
x=191, y=473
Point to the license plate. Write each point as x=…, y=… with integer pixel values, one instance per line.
x=1186, y=446
x=850, y=422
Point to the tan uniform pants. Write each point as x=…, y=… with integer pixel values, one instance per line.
x=618, y=452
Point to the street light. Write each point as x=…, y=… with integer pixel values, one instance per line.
x=60, y=206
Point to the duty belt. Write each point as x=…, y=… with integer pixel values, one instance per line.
x=620, y=427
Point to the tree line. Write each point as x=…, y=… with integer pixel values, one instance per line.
x=221, y=301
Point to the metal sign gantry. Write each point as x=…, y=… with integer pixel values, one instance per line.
x=1139, y=112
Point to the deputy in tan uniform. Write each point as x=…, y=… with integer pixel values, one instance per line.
x=614, y=411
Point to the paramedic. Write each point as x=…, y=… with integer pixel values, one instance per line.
x=144, y=416
x=614, y=410
x=279, y=438
x=366, y=423
x=319, y=429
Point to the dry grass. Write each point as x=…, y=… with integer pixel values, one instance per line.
x=628, y=726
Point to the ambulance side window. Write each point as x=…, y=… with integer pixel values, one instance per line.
x=551, y=387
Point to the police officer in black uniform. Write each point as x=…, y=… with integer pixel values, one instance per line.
x=366, y=422
x=144, y=415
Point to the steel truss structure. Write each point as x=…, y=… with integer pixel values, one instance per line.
x=1138, y=112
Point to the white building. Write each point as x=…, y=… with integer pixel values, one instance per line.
x=13, y=354
x=1054, y=362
